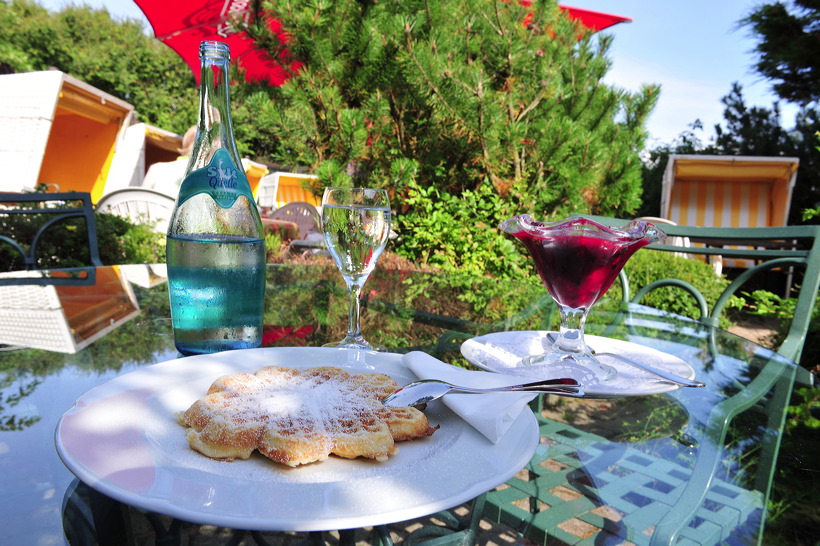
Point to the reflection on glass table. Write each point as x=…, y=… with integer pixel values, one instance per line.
x=667, y=465
x=64, y=311
x=607, y=467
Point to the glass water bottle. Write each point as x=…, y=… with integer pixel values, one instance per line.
x=215, y=244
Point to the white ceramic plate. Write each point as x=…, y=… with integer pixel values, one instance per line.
x=503, y=351
x=122, y=439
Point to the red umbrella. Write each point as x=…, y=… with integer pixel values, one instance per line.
x=595, y=20
x=182, y=24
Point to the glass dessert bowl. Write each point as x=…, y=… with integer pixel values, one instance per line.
x=577, y=259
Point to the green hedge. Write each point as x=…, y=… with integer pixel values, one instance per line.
x=648, y=266
x=66, y=245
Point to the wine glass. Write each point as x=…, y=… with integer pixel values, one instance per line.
x=577, y=259
x=356, y=224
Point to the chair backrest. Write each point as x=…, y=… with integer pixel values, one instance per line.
x=303, y=215
x=16, y=205
x=140, y=205
x=769, y=248
x=266, y=196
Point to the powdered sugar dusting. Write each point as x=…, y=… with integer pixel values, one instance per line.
x=320, y=402
x=296, y=417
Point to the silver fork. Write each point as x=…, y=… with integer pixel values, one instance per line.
x=427, y=390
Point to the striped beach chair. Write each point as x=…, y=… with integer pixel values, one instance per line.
x=728, y=191
x=291, y=190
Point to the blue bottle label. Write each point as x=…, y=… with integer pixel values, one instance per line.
x=221, y=179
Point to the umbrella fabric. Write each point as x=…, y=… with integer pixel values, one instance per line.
x=594, y=20
x=183, y=24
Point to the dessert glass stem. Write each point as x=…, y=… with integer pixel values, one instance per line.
x=571, y=332
x=570, y=344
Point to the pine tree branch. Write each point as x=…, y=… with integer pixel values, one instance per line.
x=541, y=95
x=517, y=153
x=517, y=158
x=428, y=12
x=430, y=84
x=485, y=152
x=433, y=88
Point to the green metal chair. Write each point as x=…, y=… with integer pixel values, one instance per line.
x=769, y=248
x=17, y=204
x=661, y=501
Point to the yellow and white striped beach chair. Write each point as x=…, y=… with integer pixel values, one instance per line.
x=290, y=190
x=728, y=191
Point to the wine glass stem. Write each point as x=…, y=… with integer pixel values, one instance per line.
x=354, y=291
x=571, y=334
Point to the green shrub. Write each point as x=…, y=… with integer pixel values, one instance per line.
x=766, y=304
x=647, y=266
x=273, y=245
x=123, y=242
x=119, y=241
x=457, y=233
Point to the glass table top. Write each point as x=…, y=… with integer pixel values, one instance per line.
x=63, y=333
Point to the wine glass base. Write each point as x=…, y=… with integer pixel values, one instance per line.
x=361, y=345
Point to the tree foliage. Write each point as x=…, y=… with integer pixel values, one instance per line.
x=788, y=34
x=749, y=131
x=114, y=56
x=757, y=131
x=655, y=160
x=440, y=102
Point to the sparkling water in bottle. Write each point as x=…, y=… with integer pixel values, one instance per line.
x=216, y=247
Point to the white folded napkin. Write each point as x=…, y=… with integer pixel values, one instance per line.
x=490, y=414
